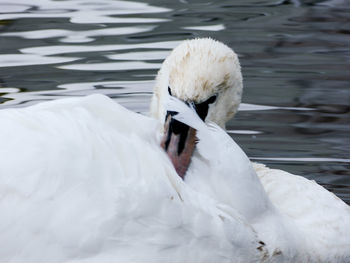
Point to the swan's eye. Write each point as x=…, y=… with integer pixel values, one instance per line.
x=203, y=107
x=169, y=90
x=211, y=100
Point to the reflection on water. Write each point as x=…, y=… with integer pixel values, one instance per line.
x=68, y=49
x=13, y=60
x=135, y=65
x=81, y=11
x=70, y=36
x=295, y=59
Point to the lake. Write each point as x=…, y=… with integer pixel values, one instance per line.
x=295, y=57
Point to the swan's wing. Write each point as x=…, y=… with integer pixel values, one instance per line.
x=321, y=216
x=84, y=180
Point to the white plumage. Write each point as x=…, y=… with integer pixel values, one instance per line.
x=85, y=180
x=321, y=217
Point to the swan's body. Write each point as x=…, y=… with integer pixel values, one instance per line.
x=84, y=180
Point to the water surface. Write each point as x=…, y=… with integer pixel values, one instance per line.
x=295, y=57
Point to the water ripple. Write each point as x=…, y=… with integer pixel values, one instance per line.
x=127, y=92
x=66, y=49
x=144, y=56
x=15, y=60
x=115, y=66
x=81, y=12
x=70, y=36
x=218, y=27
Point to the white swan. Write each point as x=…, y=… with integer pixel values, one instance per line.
x=84, y=180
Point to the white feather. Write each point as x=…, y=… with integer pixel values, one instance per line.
x=323, y=219
x=84, y=180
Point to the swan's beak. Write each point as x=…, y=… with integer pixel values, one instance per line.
x=178, y=141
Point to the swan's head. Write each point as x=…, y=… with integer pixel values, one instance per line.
x=202, y=72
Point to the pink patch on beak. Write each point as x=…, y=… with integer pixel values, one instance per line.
x=180, y=155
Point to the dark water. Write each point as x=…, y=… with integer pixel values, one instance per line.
x=295, y=57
